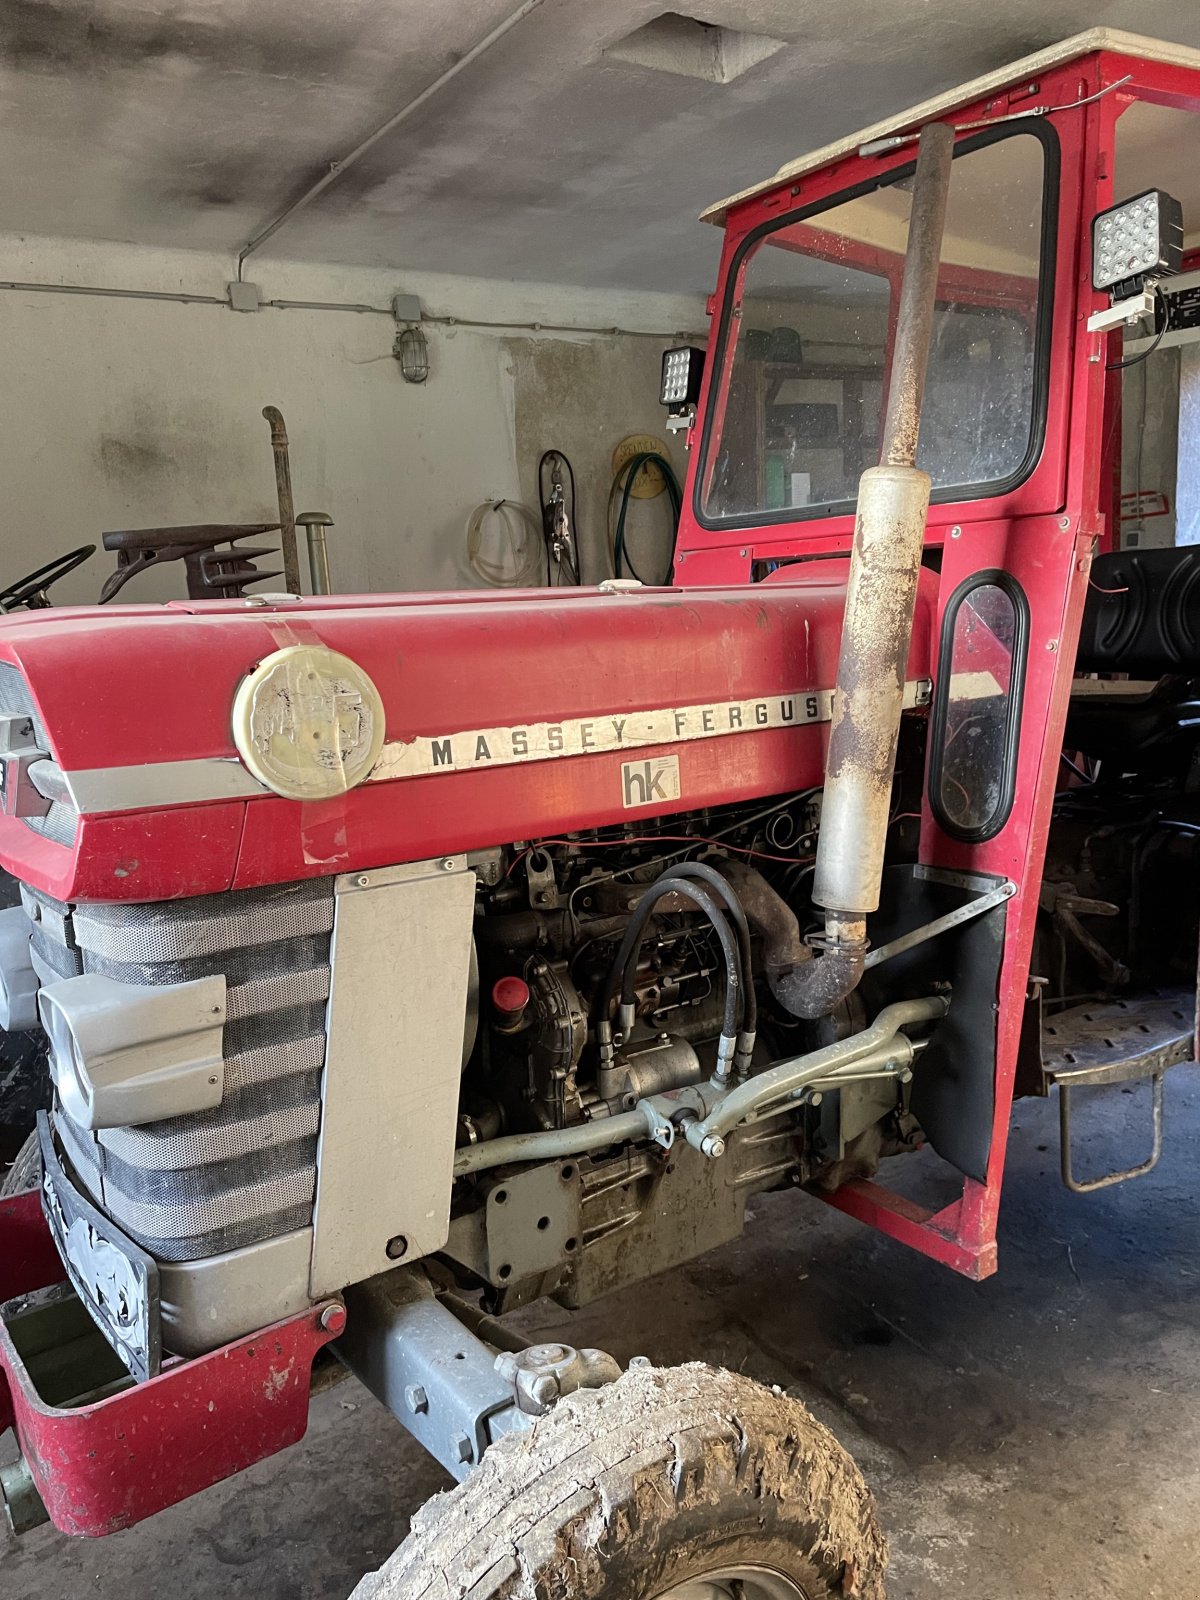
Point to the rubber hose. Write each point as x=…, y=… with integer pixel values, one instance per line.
x=674, y=494
x=741, y=924
x=632, y=939
x=526, y=555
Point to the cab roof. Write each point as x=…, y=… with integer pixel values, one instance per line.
x=964, y=94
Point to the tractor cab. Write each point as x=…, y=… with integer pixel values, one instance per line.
x=1061, y=401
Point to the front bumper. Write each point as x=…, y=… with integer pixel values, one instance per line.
x=105, y=1452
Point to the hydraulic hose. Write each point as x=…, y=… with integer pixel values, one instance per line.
x=634, y=929
x=741, y=926
x=731, y=1026
x=623, y=970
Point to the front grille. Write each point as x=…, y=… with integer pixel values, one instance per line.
x=212, y=1181
x=61, y=819
x=16, y=701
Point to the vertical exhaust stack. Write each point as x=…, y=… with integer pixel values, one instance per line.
x=889, y=532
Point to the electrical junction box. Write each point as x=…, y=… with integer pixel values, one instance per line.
x=244, y=296
x=406, y=307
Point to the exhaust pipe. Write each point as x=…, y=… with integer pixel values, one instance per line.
x=283, y=493
x=889, y=531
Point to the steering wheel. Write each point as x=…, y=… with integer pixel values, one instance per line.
x=31, y=590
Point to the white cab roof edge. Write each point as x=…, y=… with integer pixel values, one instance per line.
x=1079, y=45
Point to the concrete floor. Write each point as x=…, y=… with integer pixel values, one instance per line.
x=1037, y=1435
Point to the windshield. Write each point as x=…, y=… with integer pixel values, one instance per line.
x=806, y=339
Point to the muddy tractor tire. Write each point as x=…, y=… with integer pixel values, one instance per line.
x=680, y=1483
x=26, y=1170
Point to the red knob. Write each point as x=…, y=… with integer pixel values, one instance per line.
x=510, y=996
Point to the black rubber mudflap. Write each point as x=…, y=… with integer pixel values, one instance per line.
x=953, y=1090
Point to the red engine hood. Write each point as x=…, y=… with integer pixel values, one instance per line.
x=136, y=701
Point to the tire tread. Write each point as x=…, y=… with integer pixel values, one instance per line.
x=562, y=1511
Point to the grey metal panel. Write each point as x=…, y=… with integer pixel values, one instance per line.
x=205, y=1304
x=400, y=959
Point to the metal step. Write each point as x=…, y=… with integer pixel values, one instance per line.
x=1120, y=1041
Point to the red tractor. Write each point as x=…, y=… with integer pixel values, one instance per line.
x=405, y=958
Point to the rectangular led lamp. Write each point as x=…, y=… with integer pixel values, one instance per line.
x=682, y=370
x=1139, y=239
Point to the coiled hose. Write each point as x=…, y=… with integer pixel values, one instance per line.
x=628, y=473
x=524, y=533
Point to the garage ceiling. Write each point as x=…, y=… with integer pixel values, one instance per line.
x=578, y=150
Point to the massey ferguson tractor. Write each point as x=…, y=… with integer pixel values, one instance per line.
x=406, y=958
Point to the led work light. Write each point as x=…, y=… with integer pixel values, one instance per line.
x=1139, y=239
x=682, y=370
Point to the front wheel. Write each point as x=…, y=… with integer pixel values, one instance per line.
x=680, y=1483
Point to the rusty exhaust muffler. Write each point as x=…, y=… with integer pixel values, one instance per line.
x=889, y=531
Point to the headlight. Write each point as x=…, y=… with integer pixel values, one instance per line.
x=123, y=1054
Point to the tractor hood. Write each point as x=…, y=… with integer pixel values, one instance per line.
x=154, y=752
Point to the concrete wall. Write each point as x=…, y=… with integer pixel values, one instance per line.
x=133, y=412
x=1187, y=524
x=584, y=399
x=1152, y=433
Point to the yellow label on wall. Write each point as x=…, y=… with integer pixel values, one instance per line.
x=649, y=481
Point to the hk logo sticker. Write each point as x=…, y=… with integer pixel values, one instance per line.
x=646, y=783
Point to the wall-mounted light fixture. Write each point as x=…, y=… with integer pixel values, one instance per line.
x=410, y=346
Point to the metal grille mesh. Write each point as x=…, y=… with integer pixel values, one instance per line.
x=58, y=823
x=15, y=699
x=198, y=1185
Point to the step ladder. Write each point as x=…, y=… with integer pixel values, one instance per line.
x=1116, y=1041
